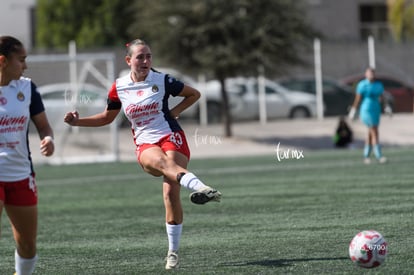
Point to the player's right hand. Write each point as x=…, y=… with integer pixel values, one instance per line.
x=71, y=118
x=352, y=113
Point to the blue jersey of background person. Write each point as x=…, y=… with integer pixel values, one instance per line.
x=370, y=109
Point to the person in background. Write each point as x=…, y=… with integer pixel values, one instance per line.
x=343, y=135
x=20, y=102
x=161, y=145
x=369, y=95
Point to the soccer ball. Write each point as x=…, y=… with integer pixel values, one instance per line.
x=368, y=249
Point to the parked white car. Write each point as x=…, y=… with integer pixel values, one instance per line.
x=59, y=98
x=243, y=99
x=280, y=102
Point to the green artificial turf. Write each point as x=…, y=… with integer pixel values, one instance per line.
x=293, y=216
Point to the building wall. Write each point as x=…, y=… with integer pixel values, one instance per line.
x=343, y=59
x=15, y=20
x=337, y=19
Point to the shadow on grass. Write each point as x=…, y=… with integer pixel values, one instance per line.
x=317, y=142
x=281, y=262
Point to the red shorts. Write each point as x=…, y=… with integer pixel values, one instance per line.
x=19, y=193
x=173, y=142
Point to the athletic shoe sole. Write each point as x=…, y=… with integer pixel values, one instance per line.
x=204, y=196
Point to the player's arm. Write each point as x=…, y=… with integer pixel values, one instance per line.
x=106, y=117
x=45, y=133
x=39, y=119
x=190, y=95
x=354, y=106
x=101, y=119
x=357, y=101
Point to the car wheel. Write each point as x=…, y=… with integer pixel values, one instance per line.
x=299, y=112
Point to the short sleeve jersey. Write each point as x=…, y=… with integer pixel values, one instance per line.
x=145, y=104
x=19, y=101
x=370, y=93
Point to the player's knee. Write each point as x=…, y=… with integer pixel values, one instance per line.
x=153, y=172
x=155, y=166
x=160, y=163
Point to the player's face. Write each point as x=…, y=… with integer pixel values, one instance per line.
x=14, y=65
x=140, y=61
x=370, y=75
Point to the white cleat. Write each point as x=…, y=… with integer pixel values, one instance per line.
x=172, y=260
x=205, y=195
x=382, y=160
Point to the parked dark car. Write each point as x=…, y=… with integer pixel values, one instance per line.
x=402, y=94
x=337, y=98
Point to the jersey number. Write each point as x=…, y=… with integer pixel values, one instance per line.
x=176, y=139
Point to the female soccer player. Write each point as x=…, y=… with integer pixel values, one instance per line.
x=369, y=93
x=20, y=102
x=161, y=145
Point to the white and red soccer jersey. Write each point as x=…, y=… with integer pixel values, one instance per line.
x=18, y=102
x=145, y=104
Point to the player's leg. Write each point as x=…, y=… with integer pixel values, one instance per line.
x=173, y=212
x=1, y=211
x=374, y=135
x=366, y=119
x=172, y=201
x=23, y=220
x=156, y=162
x=2, y=198
x=21, y=208
x=368, y=147
x=376, y=145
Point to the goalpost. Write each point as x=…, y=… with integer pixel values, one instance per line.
x=76, y=144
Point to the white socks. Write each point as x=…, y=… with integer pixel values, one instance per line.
x=174, y=236
x=190, y=181
x=24, y=266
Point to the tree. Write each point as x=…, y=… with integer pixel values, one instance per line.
x=224, y=38
x=401, y=19
x=92, y=23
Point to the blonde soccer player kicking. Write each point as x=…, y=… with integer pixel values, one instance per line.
x=161, y=145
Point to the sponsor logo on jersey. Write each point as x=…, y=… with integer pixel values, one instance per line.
x=134, y=109
x=10, y=121
x=3, y=101
x=155, y=88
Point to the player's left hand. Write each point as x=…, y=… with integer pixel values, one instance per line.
x=388, y=110
x=47, y=147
